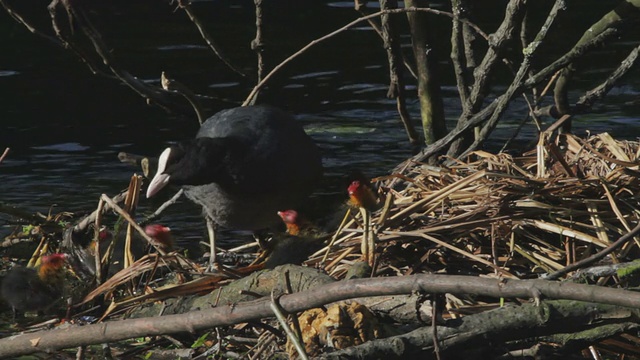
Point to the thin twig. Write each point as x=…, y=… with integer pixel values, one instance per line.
x=346, y=217
x=173, y=85
x=434, y=327
x=96, y=241
x=256, y=44
x=277, y=68
x=84, y=223
x=163, y=207
x=17, y=17
x=277, y=311
x=293, y=318
x=597, y=93
x=186, y=6
x=486, y=112
x=597, y=256
x=458, y=55
x=133, y=223
x=408, y=65
x=77, y=16
x=4, y=155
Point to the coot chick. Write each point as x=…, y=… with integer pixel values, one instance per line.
x=302, y=239
x=295, y=223
x=161, y=235
x=35, y=289
x=244, y=165
x=361, y=195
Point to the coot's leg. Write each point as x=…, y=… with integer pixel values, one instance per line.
x=211, y=230
x=262, y=238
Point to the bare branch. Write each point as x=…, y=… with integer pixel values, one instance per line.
x=26, y=24
x=376, y=27
x=178, y=87
x=485, y=113
x=523, y=71
x=186, y=6
x=257, y=45
x=4, y=155
x=498, y=41
x=429, y=87
x=586, y=101
x=457, y=52
x=277, y=68
x=396, y=89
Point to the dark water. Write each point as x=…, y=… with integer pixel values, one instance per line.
x=66, y=126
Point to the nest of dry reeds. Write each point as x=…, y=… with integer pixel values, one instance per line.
x=517, y=217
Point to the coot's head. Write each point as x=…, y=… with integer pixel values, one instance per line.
x=197, y=162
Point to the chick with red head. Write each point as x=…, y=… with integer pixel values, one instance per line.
x=302, y=239
x=161, y=235
x=293, y=221
x=362, y=197
x=36, y=289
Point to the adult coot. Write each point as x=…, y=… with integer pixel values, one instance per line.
x=244, y=165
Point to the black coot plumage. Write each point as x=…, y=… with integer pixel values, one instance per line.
x=244, y=165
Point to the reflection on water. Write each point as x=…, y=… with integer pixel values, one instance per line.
x=66, y=127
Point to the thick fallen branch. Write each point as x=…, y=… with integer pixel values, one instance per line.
x=318, y=296
x=467, y=338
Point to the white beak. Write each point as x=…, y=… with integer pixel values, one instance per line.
x=160, y=179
